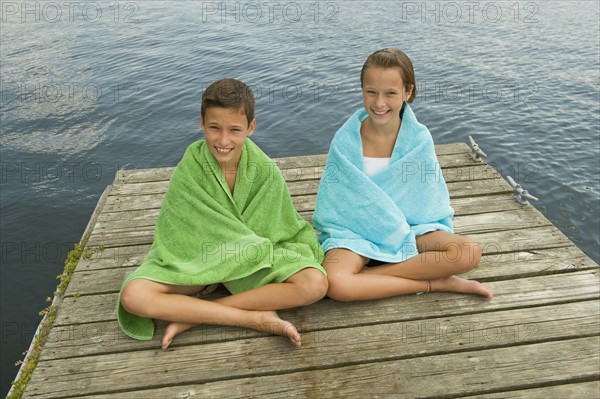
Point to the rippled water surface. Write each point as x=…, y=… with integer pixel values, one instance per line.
x=87, y=90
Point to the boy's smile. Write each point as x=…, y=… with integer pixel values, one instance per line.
x=226, y=130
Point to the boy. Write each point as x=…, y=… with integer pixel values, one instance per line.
x=227, y=218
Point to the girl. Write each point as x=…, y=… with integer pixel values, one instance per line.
x=383, y=208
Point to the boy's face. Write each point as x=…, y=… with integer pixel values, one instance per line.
x=226, y=130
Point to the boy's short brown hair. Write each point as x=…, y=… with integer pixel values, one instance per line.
x=229, y=93
x=392, y=58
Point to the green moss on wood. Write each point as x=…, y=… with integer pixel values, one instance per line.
x=49, y=313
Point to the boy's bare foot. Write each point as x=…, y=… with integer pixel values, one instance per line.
x=173, y=330
x=266, y=321
x=269, y=321
x=457, y=284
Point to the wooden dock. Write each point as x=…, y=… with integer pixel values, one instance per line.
x=537, y=338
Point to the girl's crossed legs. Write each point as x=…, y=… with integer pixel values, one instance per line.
x=441, y=256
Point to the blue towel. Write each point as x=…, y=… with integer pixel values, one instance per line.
x=379, y=216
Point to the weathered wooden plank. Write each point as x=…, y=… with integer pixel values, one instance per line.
x=463, y=224
x=465, y=173
x=290, y=175
x=306, y=203
x=492, y=267
x=303, y=161
x=101, y=281
x=451, y=148
x=485, y=329
x=110, y=239
x=102, y=337
x=134, y=216
x=105, y=337
x=523, y=218
x=582, y=390
x=121, y=256
x=502, y=241
x=497, y=185
x=305, y=206
x=87, y=354
x=138, y=188
x=462, y=206
x=395, y=346
x=493, y=203
x=458, y=189
x=518, y=293
x=477, y=171
x=529, y=240
x=457, y=375
x=145, y=218
x=143, y=175
x=126, y=232
x=504, y=266
x=131, y=219
x=119, y=203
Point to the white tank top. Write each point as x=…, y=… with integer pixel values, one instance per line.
x=374, y=165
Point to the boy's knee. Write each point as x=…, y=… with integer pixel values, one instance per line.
x=315, y=285
x=311, y=285
x=130, y=297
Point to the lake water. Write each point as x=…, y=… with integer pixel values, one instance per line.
x=88, y=88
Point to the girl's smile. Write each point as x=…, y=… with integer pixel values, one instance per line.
x=384, y=92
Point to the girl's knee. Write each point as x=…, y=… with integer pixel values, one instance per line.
x=338, y=289
x=476, y=253
x=469, y=255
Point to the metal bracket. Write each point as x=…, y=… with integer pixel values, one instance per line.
x=519, y=193
x=476, y=152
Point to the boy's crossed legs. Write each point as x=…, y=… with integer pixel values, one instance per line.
x=253, y=309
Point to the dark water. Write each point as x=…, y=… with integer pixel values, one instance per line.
x=93, y=87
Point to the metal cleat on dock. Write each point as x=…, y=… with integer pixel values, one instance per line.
x=476, y=152
x=519, y=193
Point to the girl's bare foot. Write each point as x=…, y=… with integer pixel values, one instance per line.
x=457, y=284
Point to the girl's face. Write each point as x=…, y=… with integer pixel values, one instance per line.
x=383, y=95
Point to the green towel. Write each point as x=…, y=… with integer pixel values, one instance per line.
x=206, y=235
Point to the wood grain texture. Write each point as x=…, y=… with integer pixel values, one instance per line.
x=538, y=336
